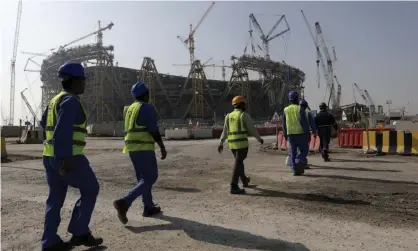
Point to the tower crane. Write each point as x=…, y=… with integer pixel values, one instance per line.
x=267, y=38
x=190, y=40
x=29, y=106
x=13, y=65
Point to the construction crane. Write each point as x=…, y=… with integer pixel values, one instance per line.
x=44, y=54
x=29, y=106
x=371, y=103
x=267, y=38
x=13, y=65
x=323, y=57
x=190, y=40
x=338, y=91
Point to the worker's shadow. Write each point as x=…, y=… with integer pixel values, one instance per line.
x=369, y=160
x=99, y=248
x=314, y=167
x=220, y=235
x=306, y=197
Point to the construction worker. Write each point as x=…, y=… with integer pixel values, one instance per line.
x=141, y=133
x=64, y=122
x=311, y=121
x=238, y=125
x=324, y=120
x=295, y=130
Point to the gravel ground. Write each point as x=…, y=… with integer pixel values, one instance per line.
x=355, y=202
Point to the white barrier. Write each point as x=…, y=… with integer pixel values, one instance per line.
x=176, y=133
x=202, y=133
x=101, y=129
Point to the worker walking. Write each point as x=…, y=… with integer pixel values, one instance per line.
x=238, y=125
x=311, y=122
x=324, y=120
x=141, y=134
x=295, y=131
x=64, y=122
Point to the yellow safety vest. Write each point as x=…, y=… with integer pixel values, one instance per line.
x=79, y=131
x=293, y=123
x=137, y=138
x=237, y=130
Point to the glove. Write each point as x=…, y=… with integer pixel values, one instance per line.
x=163, y=153
x=261, y=141
x=67, y=165
x=220, y=148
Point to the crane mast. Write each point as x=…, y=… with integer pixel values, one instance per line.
x=13, y=65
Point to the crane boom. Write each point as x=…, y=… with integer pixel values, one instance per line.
x=203, y=18
x=109, y=26
x=267, y=38
x=190, y=40
x=369, y=98
x=13, y=64
x=319, y=57
x=330, y=69
x=29, y=106
x=361, y=93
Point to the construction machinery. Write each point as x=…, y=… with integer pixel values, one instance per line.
x=199, y=107
x=29, y=106
x=13, y=64
x=324, y=59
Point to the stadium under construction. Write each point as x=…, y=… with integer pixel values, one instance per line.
x=176, y=98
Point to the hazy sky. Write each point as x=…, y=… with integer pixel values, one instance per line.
x=376, y=42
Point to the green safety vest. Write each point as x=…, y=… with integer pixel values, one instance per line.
x=292, y=113
x=137, y=138
x=237, y=131
x=79, y=131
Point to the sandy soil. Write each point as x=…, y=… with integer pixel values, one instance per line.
x=356, y=202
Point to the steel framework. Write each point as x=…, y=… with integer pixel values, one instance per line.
x=103, y=94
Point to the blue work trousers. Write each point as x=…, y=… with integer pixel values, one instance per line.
x=81, y=176
x=145, y=164
x=325, y=138
x=299, y=149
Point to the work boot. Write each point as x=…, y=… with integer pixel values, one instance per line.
x=59, y=246
x=299, y=169
x=149, y=212
x=246, y=181
x=236, y=190
x=87, y=240
x=122, y=208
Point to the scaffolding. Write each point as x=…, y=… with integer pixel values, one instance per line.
x=239, y=83
x=104, y=97
x=199, y=108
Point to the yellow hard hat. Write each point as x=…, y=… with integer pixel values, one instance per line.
x=238, y=99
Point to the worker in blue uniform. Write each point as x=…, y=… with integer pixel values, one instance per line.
x=64, y=122
x=141, y=134
x=295, y=131
x=324, y=121
x=311, y=122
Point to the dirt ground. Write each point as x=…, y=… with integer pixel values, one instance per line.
x=355, y=202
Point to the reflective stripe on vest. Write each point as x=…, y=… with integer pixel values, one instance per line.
x=293, y=123
x=237, y=132
x=137, y=138
x=79, y=131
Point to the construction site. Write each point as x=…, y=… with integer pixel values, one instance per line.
x=364, y=198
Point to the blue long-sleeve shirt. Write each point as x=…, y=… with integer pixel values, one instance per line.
x=69, y=112
x=303, y=122
x=148, y=117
